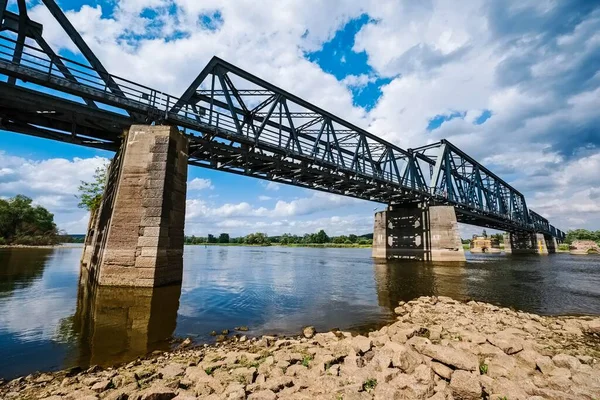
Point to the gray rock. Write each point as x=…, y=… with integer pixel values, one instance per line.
x=263, y=395
x=506, y=344
x=279, y=383
x=171, y=371
x=465, y=386
x=406, y=359
x=309, y=332
x=442, y=370
x=459, y=359
x=361, y=344
x=566, y=361
x=101, y=386
x=157, y=392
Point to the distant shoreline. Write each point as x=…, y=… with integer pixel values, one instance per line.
x=315, y=245
x=27, y=246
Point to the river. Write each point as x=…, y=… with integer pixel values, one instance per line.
x=49, y=322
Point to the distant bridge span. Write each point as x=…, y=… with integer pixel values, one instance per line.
x=238, y=123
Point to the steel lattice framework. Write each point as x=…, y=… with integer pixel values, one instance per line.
x=241, y=124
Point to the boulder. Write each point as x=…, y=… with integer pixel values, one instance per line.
x=509, y=345
x=361, y=344
x=566, y=361
x=263, y=395
x=171, y=371
x=465, y=386
x=459, y=359
x=309, y=332
x=442, y=370
x=101, y=386
x=157, y=392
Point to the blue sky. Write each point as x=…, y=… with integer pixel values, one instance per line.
x=515, y=86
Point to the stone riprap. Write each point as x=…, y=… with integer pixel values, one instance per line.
x=438, y=349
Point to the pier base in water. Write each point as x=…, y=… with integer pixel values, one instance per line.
x=136, y=237
x=417, y=231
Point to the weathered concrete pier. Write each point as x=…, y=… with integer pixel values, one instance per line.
x=417, y=231
x=136, y=237
x=529, y=243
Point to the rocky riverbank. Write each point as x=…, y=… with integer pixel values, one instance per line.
x=438, y=349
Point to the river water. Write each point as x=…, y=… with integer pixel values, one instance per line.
x=49, y=322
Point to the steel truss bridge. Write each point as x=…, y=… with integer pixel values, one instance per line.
x=239, y=123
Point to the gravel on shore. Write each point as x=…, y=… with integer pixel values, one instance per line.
x=438, y=349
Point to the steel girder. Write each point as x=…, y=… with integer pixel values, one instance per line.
x=241, y=124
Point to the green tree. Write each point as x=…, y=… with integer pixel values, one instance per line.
x=224, y=238
x=321, y=237
x=211, y=239
x=90, y=193
x=352, y=238
x=22, y=223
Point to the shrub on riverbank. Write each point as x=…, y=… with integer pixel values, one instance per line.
x=21, y=223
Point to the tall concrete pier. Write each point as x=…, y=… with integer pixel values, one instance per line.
x=136, y=237
x=417, y=231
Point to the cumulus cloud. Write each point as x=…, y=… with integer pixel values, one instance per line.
x=200, y=184
x=52, y=183
x=241, y=218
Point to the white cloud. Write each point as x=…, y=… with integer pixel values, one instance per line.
x=273, y=186
x=358, y=81
x=264, y=198
x=51, y=183
x=200, y=184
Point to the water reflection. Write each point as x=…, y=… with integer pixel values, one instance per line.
x=116, y=325
x=402, y=280
x=19, y=268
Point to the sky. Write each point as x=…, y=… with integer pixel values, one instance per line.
x=515, y=84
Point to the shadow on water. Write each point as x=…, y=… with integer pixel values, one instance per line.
x=116, y=324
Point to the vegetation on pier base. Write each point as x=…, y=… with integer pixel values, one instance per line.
x=22, y=223
x=90, y=193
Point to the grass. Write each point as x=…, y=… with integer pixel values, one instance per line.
x=306, y=360
x=483, y=369
x=370, y=384
x=210, y=370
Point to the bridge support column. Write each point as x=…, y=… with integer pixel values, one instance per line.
x=137, y=238
x=520, y=243
x=551, y=244
x=417, y=231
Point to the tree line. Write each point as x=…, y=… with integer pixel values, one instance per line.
x=22, y=223
x=582, y=234
x=259, y=238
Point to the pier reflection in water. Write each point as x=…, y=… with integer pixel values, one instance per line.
x=401, y=280
x=48, y=321
x=116, y=325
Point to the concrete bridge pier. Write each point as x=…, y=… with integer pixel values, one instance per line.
x=417, y=231
x=529, y=243
x=136, y=237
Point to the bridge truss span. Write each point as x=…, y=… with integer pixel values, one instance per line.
x=239, y=123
